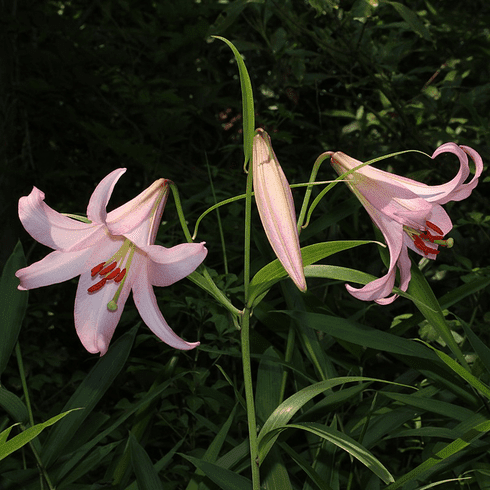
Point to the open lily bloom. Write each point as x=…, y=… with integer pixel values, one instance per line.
x=276, y=207
x=408, y=213
x=113, y=254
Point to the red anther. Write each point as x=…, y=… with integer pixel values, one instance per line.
x=120, y=276
x=434, y=227
x=108, y=269
x=97, y=286
x=97, y=269
x=113, y=274
x=419, y=243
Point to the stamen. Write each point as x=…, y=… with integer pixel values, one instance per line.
x=113, y=274
x=108, y=269
x=434, y=227
x=97, y=286
x=120, y=276
x=97, y=269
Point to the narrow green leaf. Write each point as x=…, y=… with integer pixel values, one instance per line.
x=88, y=395
x=81, y=452
x=345, y=274
x=224, y=478
x=274, y=271
x=446, y=409
x=274, y=472
x=412, y=19
x=211, y=454
x=146, y=475
x=287, y=409
x=344, y=442
x=452, y=448
x=28, y=435
x=428, y=305
x=14, y=406
x=4, y=435
x=247, y=102
x=268, y=389
x=464, y=373
x=13, y=304
x=480, y=348
x=359, y=334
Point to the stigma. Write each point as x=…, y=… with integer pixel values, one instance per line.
x=431, y=234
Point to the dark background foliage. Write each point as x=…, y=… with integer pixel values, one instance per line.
x=90, y=86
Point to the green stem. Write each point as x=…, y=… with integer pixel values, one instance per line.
x=288, y=355
x=249, y=399
x=306, y=200
x=220, y=226
x=180, y=212
x=248, y=225
x=23, y=380
x=20, y=363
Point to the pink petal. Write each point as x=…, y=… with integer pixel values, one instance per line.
x=169, y=265
x=145, y=301
x=96, y=209
x=384, y=192
x=276, y=208
x=56, y=267
x=51, y=228
x=94, y=322
x=380, y=288
x=139, y=219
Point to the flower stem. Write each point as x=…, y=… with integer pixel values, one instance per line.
x=249, y=398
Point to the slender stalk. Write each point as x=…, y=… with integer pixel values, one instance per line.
x=42, y=471
x=218, y=216
x=249, y=399
x=245, y=341
x=20, y=363
x=248, y=223
x=287, y=358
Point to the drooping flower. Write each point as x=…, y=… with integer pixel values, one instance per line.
x=276, y=207
x=113, y=253
x=408, y=213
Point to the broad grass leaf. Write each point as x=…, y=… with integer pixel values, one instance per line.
x=14, y=406
x=88, y=394
x=287, y=409
x=428, y=305
x=412, y=19
x=13, y=304
x=27, y=435
x=464, y=373
x=268, y=384
x=359, y=334
x=146, y=475
x=340, y=440
x=480, y=348
x=89, y=446
x=417, y=400
x=273, y=272
x=454, y=447
x=211, y=454
x=274, y=472
x=223, y=477
x=247, y=102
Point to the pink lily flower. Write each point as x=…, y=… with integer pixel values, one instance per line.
x=113, y=253
x=408, y=213
x=276, y=207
